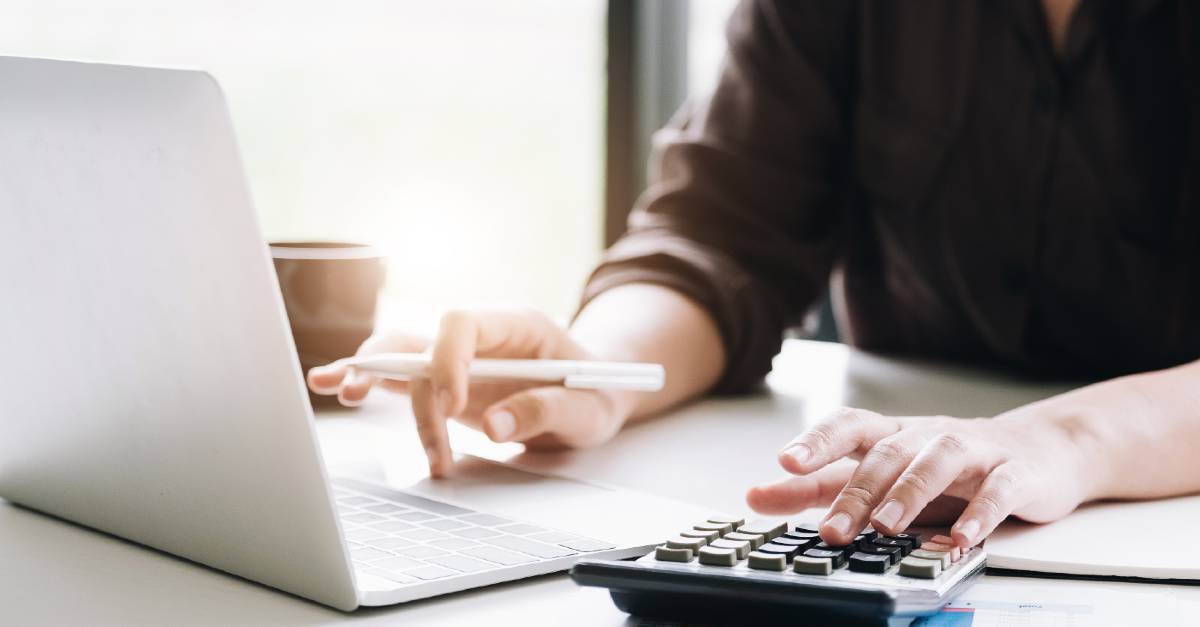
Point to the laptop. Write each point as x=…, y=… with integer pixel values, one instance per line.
x=151, y=387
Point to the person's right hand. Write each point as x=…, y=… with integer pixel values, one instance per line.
x=533, y=413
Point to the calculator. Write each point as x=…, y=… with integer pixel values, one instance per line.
x=727, y=569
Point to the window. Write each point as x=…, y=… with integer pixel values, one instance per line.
x=706, y=43
x=464, y=137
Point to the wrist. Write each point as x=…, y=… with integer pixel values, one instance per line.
x=1071, y=436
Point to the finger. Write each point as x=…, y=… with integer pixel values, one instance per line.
x=327, y=379
x=431, y=426
x=355, y=388
x=796, y=493
x=462, y=335
x=938, y=464
x=876, y=473
x=1006, y=488
x=575, y=417
x=842, y=434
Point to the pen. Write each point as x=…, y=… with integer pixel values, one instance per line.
x=594, y=375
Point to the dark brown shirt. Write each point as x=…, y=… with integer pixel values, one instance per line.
x=971, y=194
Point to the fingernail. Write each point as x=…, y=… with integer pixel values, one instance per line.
x=839, y=522
x=969, y=530
x=446, y=402
x=798, y=452
x=890, y=514
x=503, y=425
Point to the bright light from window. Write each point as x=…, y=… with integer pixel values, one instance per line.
x=462, y=136
x=706, y=43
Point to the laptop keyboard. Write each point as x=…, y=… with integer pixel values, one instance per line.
x=408, y=539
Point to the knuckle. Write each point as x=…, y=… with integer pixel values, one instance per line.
x=991, y=505
x=949, y=443
x=859, y=496
x=914, y=481
x=891, y=450
x=849, y=415
x=822, y=435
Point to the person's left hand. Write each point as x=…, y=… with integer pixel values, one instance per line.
x=929, y=470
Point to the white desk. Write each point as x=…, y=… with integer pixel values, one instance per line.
x=53, y=572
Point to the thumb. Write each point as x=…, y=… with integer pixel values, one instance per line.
x=574, y=417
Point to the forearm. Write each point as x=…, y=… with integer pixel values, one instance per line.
x=649, y=323
x=1135, y=436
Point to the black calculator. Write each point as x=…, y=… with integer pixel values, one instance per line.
x=725, y=569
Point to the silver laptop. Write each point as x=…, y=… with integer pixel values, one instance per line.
x=150, y=384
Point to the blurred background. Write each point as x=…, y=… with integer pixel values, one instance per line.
x=489, y=148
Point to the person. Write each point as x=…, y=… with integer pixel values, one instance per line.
x=1012, y=183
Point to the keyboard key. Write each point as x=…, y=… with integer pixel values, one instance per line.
x=836, y=558
x=708, y=536
x=363, y=534
x=385, y=508
x=720, y=528
x=390, y=576
x=414, y=516
x=367, y=554
x=769, y=528
x=869, y=563
x=396, y=563
x=865, y=536
x=389, y=543
x=529, y=547
x=520, y=529
x=741, y=548
x=806, y=565
x=430, y=572
x=735, y=521
x=905, y=547
x=755, y=540
x=498, y=556
x=587, y=545
x=461, y=563
x=790, y=541
x=422, y=535
x=420, y=551
x=404, y=498
x=454, y=544
x=667, y=554
x=364, y=517
x=445, y=524
x=485, y=520
x=392, y=526
x=475, y=532
x=922, y=568
x=553, y=537
x=846, y=549
x=941, y=557
x=358, y=500
x=691, y=544
x=714, y=556
x=766, y=561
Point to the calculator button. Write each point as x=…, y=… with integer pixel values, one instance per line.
x=714, y=556
x=802, y=535
x=806, y=565
x=730, y=520
x=742, y=548
x=708, y=536
x=766, y=561
x=668, y=554
x=918, y=567
x=691, y=544
x=953, y=550
x=836, y=558
x=913, y=538
x=790, y=541
x=755, y=540
x=804, y=528
x=938, y=556
x=786, y=550
x=720, y=528
x=901, y=545
x=769, y=528
x=845, y=549
x=893, y=553
x=869, y=563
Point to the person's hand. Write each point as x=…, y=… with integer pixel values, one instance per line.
x=536, y=414
x=928, y=470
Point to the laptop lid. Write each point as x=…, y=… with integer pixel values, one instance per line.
x=149, y=383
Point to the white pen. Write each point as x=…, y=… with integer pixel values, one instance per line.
x=594, y=375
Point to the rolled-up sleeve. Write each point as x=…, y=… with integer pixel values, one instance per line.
x=744, y=213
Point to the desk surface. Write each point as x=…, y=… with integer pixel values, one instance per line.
x=57, y=573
